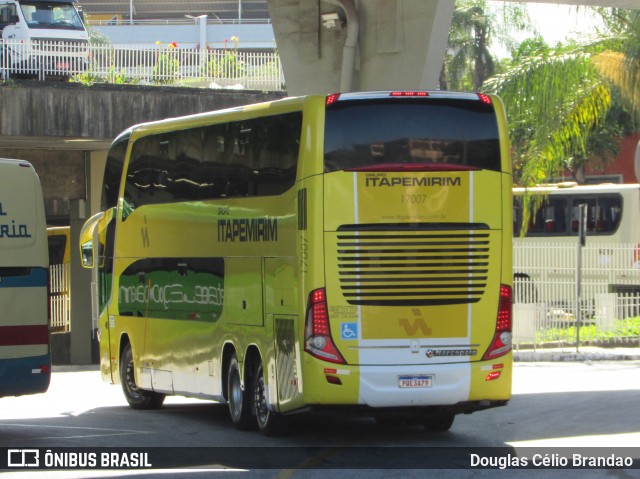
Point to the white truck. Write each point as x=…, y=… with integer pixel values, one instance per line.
x=42, y=38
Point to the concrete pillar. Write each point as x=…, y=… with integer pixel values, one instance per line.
x=81, y=327
x=83, y=341
x=400, y=43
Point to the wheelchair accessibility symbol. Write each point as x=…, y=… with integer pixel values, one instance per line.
x=349, y=330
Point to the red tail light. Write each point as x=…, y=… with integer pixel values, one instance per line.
x=484, y=98
x=409, y=93
x=331, y=99
x=317, y=330
x=501, y=343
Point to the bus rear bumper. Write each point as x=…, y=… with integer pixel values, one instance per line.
x=407, y=386
x=20, y=376
x=460, y=386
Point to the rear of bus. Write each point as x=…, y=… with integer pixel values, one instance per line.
x=412, y=314
x=25, y=361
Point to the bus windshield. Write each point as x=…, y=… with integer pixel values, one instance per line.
x=444, y=133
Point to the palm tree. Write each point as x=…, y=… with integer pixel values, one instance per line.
x=621, y=67
x=558, y=98
x=469, y=60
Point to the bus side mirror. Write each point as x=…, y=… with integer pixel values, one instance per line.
x=91, y=248
x=86, y=250
x=87, y=253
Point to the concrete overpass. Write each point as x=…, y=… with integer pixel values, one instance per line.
x=326, y=46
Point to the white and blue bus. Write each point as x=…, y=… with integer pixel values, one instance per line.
x=25, y=355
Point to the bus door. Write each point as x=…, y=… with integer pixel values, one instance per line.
x=96, y=250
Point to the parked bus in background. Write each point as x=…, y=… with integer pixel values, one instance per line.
x=349, y=252
x=25, y=358
x=58, y=241
x=545, y=257
x=556, y=217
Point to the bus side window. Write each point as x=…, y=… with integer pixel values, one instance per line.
x=148, y=176
x=216, y=147
x=517, y=217
x=279, y=145
x=241, y=165
x=549, y=219
x=607, y=214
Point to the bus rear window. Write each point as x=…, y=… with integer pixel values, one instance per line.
x=459, y=133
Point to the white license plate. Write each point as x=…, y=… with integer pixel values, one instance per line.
x=418, y=381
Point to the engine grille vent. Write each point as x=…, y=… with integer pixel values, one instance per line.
x=413, y=266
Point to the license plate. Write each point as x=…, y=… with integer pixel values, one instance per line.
x=419, y=381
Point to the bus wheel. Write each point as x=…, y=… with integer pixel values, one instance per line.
x=239, y=400
x=441, y=423
x=270, y=423
x=137, y=398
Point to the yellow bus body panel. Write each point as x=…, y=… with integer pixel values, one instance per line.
x=189, y=285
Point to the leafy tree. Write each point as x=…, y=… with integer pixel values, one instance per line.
x=620, y=63
x=475, y=27
x=559, y=99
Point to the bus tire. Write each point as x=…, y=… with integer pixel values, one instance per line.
x=137, y=398
x=440, y=423
x=270, y=423
x=239, y=400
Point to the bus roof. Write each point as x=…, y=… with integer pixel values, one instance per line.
x=187, y=121
x=277, y=106
x=570, y=188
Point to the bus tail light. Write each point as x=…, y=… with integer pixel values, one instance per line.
x=408, y=93
x=317, y=330
x=501, y=343
x=484, y=98
x=331, y=99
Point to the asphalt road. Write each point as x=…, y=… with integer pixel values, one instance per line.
x=555, y=406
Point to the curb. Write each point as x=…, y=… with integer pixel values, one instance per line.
x=585, y=354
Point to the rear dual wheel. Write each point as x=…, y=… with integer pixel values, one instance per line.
x=239, y=399
x=269, y=422
x=248, y=406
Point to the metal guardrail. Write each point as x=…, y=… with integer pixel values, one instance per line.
x=178, y=21
x=165, y=64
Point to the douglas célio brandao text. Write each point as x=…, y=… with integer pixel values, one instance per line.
x=549, y=460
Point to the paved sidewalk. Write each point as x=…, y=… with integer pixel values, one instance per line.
x=585, y=353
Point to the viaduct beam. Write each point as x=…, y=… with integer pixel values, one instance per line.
x=328, y=46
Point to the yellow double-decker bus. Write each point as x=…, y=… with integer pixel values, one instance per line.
x=349, y=252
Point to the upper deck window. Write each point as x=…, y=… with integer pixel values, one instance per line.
x=365, y=133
